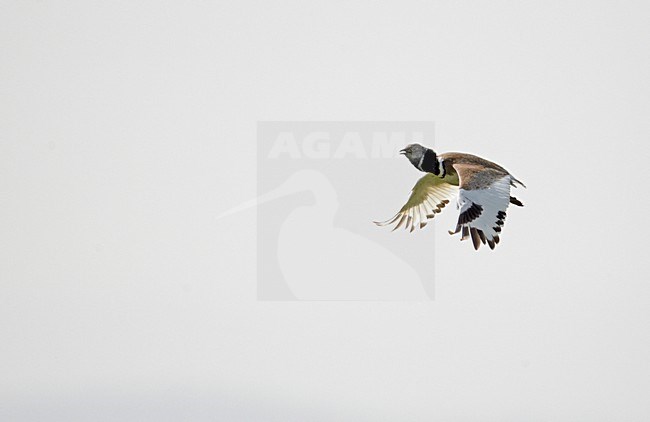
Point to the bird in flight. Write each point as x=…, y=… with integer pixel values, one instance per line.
x=481, y=189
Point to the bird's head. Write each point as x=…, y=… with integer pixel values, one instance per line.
x=414, y=152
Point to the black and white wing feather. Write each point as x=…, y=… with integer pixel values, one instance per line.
x=483, y=199
x=428, y=197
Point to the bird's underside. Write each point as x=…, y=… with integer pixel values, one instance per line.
x=480, y=188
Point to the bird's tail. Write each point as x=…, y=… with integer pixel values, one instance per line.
x=514, y=180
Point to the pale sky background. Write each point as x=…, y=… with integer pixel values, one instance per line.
x=127, y=127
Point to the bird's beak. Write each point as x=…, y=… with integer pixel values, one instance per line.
x=261, y=199
x=403, y=151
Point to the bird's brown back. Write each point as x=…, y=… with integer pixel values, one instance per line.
x=451, y=158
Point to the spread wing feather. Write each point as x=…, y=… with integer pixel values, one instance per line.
x=428, y=197
x=483, y=199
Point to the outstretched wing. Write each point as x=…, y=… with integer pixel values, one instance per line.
x=428, y=197
x=483, y=199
